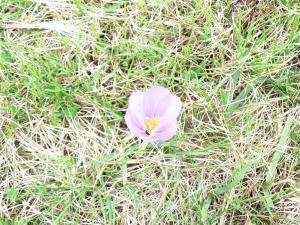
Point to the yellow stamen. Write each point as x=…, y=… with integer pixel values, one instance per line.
x=151, y=124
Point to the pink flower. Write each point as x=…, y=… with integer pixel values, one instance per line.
x=152, y=115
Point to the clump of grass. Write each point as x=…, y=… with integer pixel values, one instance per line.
x=66, y=71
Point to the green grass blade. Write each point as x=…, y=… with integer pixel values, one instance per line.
x=280, y=149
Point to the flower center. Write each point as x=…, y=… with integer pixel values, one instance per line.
x=150, y=125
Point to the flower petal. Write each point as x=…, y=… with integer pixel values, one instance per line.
x=156, y=101
x=132, y=125
x=135, y=110
x=173, y=109
x=167, y=133
x=136, y=130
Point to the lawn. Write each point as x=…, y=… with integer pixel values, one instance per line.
x=67, y=69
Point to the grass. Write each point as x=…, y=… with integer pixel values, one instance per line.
x=67, y=69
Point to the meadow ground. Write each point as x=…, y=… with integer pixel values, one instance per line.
x=67, y=68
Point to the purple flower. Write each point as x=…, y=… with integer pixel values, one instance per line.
x=151, y=115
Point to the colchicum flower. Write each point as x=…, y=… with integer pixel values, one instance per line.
x=152, y=115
